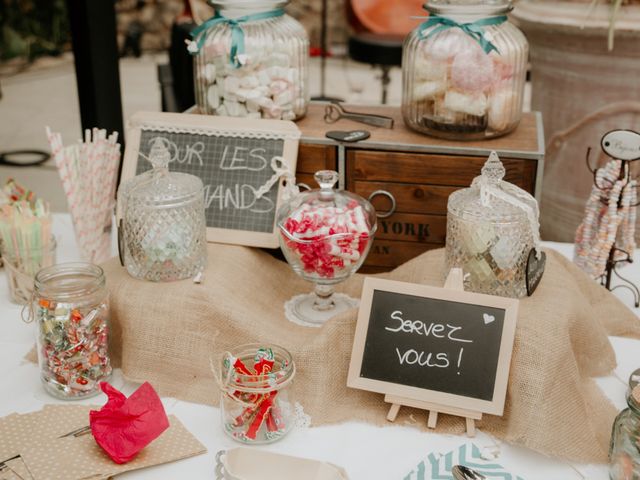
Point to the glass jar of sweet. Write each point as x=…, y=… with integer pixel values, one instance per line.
x=492, y=229
x=251, y=60
x=464, y=71
x=325, y=235
x=71, y=311
x=624, y=450
x=256, y=402
x=162, y=225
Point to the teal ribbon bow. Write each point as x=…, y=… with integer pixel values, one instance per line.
x=475, y=29
x=237, y=34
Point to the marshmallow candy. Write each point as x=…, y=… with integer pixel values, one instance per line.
x=472, y=71
x=502, y=105
x=472, y=104
x=428, y=89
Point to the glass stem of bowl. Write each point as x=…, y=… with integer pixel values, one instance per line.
x=324, y=300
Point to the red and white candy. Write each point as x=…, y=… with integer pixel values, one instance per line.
x=329, y=241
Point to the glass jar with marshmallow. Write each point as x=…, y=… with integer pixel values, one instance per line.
x=464, y=71
x=251, y=60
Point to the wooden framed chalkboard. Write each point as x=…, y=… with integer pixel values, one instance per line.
x=234, y=157
x=433, y=347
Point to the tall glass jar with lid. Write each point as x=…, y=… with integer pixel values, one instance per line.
x=464, y=71
x=251, y=60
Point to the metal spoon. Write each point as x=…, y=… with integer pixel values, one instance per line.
x=460, y=472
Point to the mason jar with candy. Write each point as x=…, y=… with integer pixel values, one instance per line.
x=464, y=71
x=251, y=60
x=256, y=402
x=325, y=235
x=71, y=309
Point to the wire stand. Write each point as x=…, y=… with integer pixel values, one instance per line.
x=611, y=268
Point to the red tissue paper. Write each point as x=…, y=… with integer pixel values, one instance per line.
x=124, y=426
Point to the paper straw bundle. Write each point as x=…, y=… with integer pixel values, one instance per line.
x=27, y=244
x=89, y=171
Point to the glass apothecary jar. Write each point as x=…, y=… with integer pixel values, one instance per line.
x=162, y=225
x=492, y=227
x=251, y=60
x=256, y=403
x=624, y=450
x=325, y=235
x=71, y=310
x=464, y=71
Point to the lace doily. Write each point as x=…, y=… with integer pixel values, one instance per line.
x=289, y=308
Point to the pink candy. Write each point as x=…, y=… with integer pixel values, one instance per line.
x=330, y=239
x=472, y=71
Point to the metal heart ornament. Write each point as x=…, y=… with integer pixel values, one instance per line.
x=535, y=269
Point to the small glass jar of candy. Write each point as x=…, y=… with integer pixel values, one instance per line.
x=162, y=229
x=464, y=71
x=256, y=402
x=492, y=229
x=71, y=311
x=251, y=61
x=325, y=235
x=624, y=450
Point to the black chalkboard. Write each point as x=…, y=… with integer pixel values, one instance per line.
x=433, y=344
x=233, y=158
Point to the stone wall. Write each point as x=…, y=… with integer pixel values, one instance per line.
x=156, y=17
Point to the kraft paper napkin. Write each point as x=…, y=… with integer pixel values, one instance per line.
x=46, y=457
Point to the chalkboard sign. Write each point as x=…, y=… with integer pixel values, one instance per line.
x=435, y=345
x=233, y=157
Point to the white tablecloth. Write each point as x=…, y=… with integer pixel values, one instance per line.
x=365, y=451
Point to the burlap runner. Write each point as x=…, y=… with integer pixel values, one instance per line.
x=166, y=334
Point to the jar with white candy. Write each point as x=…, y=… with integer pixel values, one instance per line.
x=251, y=60
x=464, y=71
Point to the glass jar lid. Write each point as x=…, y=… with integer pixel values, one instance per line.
x=472, y=7
x=159, y=186
x=326, y=212
x=492, y=199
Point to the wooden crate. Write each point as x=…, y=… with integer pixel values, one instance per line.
x=416, y=172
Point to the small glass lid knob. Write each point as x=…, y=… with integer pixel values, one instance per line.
x=326, y=179
x=493, y=171
x=159, y=155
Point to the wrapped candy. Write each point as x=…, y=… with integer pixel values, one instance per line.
x=334, y=238
x=71, y=312
x=464, y=71
x=255, y=405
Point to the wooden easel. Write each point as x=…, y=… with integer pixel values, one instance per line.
x=454, y=282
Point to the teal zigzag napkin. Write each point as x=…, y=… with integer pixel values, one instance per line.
x=438, y=467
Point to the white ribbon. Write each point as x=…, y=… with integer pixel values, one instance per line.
x=281, y=170
x=512, y=195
